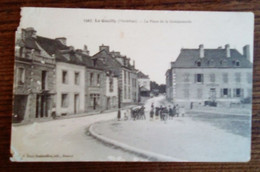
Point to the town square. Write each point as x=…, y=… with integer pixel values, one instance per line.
x=131, y=93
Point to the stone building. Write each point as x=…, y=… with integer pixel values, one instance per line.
x=34, y=79
x=122, y=69
x=95, y=77
x=144, y=84
x=221, y=75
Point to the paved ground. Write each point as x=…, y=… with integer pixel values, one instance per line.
x=195, y=137
x=64, y=140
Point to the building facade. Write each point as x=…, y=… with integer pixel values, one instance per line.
x=125, y=72
x=144, y=84
x=221, y=75
x=53, y=79
x=34, y=81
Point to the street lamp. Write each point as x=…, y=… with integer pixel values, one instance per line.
x=119, y=104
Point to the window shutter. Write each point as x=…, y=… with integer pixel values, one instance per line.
x=221, y=92
x=229, y=92
x=234, y=92
x=202, y=78
x=195, y=78
x=242, y=92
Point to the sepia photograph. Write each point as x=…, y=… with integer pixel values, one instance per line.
x=132, y=85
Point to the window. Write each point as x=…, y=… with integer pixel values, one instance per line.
x=125, y=92
x=98, y=79
x=91, y=78
x=237, y=63
x=95, y=100
x=199, y=78
x=186, y=77
x=225, y=77
x=111, y=84
x=225, y=92
x=44, y=80
x=124, y=76
x=224, y=62
x=249, y=77
x=64, y=100
x=64, y=77
x=21, y=76
x=129, y=79
x=212, y=77
x=198, y=63
x=237, y=92
x=76, y=78
x=129, y=93
x=238, y=77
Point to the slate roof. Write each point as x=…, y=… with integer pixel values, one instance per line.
x=213, y=58
x=29, y=43
x=51, y=45
x=142, y=75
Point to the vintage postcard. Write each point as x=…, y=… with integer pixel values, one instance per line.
x=132, y=85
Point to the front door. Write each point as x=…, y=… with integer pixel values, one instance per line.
x=212, y=94
x=94, y=103
x=20, y=103
x=41, y=106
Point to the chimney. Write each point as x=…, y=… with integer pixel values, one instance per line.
x=62, y=40
x=71, y=48
x=28, y=33
x=104, y=47
x=227, y=48
x=85, y=50
x=246, y=52
x=201, y=48
x=117, y=53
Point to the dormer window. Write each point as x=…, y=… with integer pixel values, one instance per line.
x=198, y=63
x=223, y=62
x=236, y=63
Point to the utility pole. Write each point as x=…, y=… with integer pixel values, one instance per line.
x=119, y=104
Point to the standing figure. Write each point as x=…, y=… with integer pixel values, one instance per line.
x=177, y=110
x=142, y=112
x=157, y=112
x=161, y=113
x=170, y=113
x=174, y=111
x=151, y=113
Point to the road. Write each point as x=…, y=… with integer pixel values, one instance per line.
x=64, y=140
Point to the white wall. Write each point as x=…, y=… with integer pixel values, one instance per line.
x=70, y=88
x=179, y=85
x=115, y=87
x=144, y=82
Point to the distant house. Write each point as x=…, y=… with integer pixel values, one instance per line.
x=125, y=72
x=144, y=84
x=34, y=82
x=221, y=75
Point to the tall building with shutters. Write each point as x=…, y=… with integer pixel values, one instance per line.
x=222, y=75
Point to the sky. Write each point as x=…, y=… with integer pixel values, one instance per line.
x=151, y=38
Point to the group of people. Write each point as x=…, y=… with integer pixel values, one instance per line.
x=165, y=113
x=161, y=112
